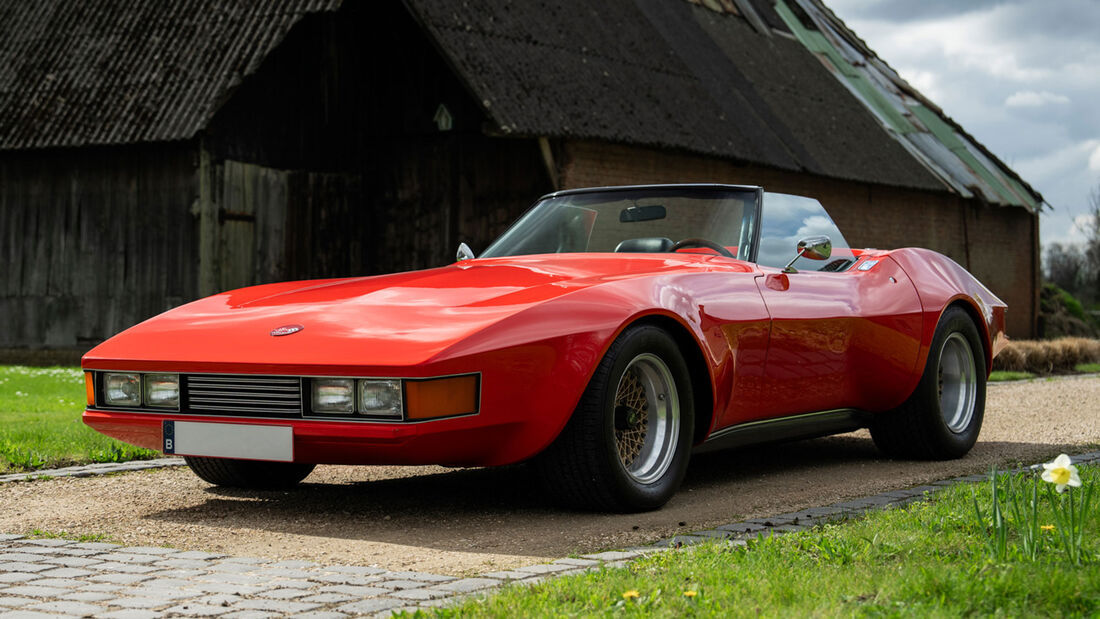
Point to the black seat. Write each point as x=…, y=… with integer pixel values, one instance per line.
x=646, y=245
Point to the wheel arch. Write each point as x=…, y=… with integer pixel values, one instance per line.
x=701, y=388
x=979, y=324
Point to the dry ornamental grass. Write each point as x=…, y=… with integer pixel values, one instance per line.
x=1047, y=356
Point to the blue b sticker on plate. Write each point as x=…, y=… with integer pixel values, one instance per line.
x=169, y=432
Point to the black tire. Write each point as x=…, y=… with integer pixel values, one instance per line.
x=613, y=455
x=943, y=417
x=250, y=474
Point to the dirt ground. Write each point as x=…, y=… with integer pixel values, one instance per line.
x=476, y=520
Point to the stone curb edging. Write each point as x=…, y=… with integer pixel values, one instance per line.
x=99, y=468
x=55, y=577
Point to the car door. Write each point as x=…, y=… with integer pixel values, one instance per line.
x=847, y=336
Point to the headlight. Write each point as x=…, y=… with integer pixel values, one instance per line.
x=122, y=389
x=333, y=395
x=380, y=397
x=162, y=390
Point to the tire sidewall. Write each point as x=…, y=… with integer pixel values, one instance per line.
x=954, y=444
x=630, y=492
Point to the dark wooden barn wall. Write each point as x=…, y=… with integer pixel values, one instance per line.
x=93, y=241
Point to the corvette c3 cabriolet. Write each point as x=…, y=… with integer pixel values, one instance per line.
x=604, y=337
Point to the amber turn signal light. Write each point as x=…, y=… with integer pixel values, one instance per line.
x=89, y=388
x=441, y=397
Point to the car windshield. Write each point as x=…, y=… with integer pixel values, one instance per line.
x=786, y=220
x=642, y=219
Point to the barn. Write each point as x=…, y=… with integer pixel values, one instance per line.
x=155, y=152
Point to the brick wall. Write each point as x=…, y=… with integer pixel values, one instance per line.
x=997, y=244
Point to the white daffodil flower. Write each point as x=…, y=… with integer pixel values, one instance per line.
x=1061, y=473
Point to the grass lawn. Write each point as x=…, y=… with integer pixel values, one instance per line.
x=931, y=559
x=40, y=423
x=1088, y=368
x=997, y=376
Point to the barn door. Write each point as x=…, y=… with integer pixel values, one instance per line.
x=251, y=222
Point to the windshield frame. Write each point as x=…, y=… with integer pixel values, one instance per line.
x=749, y=234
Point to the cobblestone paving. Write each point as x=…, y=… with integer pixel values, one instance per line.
x=45, y=578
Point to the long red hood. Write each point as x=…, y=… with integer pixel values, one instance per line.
x=396, y=320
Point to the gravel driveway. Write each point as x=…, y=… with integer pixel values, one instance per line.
x=467, y=521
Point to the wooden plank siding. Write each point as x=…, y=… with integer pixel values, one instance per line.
x=92, y=243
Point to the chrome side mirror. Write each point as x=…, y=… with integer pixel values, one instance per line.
x=812, y=247
x=464, y=252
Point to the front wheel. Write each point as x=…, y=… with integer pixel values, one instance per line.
x=627, y=445
x=942, y=418
x=249, y=474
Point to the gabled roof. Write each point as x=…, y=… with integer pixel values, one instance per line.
x=778, y=83
x=85, y=72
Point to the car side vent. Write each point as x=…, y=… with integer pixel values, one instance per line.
x=267, y=396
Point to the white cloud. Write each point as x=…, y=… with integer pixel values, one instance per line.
x=1094, y=158
x=1030, y=98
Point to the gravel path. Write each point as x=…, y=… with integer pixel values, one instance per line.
x=464, y=522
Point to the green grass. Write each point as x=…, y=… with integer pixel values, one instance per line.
x=1087, y=368
x=82, y=537
x=930, y=559
x=40, y=424
x=997, y=376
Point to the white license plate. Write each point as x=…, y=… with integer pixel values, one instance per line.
x=229, y=440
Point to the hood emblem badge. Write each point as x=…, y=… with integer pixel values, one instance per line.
x=286, y=330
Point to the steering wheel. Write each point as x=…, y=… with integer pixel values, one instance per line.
x=696, y=242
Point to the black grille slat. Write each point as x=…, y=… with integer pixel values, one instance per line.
x=267, y=396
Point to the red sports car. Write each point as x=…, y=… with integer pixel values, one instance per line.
x=604, y=336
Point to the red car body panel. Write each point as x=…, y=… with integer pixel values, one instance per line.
x=535, y=328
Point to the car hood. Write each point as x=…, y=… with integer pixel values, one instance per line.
x=395, y=320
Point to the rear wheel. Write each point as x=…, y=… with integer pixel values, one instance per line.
x=627, y=445
x=251, y=474
x=942, y=418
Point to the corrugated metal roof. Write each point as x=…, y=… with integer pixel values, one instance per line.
x=117, y=71
x=939, y=143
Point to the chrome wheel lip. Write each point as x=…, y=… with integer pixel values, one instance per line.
x=662, y=421
x=958, y=383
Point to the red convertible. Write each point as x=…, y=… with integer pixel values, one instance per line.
x=604, y=337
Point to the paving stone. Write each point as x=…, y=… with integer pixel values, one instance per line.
x=79, y=609
x=12, y=601
x=35, y=591
x=284, y=572
x=370, y=606
x=165, y=583
x=418, y=594
x=197, y=610
x=466, y=585
x=578, y=562
x=237, y=579
x=120, y=579
x=296, y=565
x=329, y=598
x=8, y=537
x=66, y=572
x=355, y=590
x=346, y=579
x=319, y=614
x=140, y=602
x=88, y=596
x=197, y=555
x=742, y=527
x=279, y=606
x=65, y=583
x=283, y=594
x=130, y=613
x=418, y=576
x=102, y=586
x=123, y=557
x=543, y=568
x=217, y=587
x=19, y=556
x=10, y=577
x=713, y=534
x=49, y=541
x=181, y=563
x=233, y=568
x=96, y=546
x=170, y=573
x=19, y=566
x=250, y=614
x=72, y=561
x=163, y=593
x=291, y=584
x=677, y=541
x=354, y=569
x=127, y=568
x=247, y=560
x=612, y=555
x=394, y=585
x=509, y=575
x=221, y=599
x=148, y=550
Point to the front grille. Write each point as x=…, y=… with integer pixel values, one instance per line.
x=279, y=396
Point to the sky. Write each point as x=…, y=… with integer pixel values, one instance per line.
x=1021, y=76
